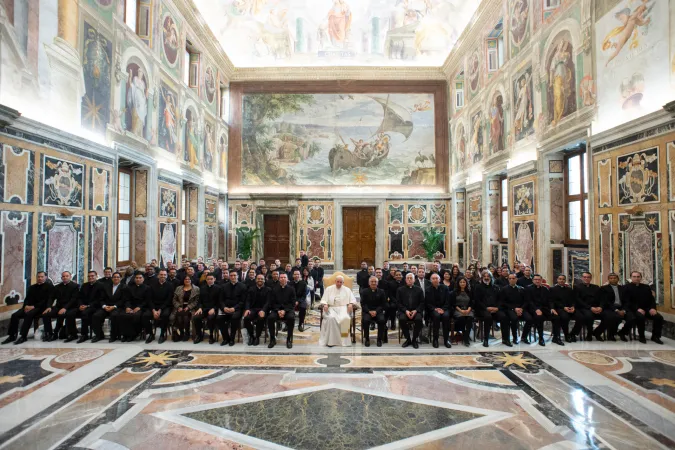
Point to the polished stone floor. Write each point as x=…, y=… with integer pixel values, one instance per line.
x=185, y=396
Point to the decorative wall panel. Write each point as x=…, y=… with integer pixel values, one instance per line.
x=98, y=243
x=193, y=204
x=578, y=261
x=640, y=248
x=141, y=193
x=241, y=215
x=61, y=246
x=17, y=174
x=524, y=242
x=475, y=215
x=671, y=253
x=461, y=216
x=605, y=183
x=99, y=189
x=211, y=209
x=637, y=177
x=495, y=217
x=557, y=264
x=16, y=251
x=557, y=218
x=139, y=241
x=211, y=241
x=670, y=155
x=168, y=202
x=192, y=242
x=62, y=182
x=606, y=246
x=406, y=222
x=316, y=234
x=168, y=246
x=523, y=199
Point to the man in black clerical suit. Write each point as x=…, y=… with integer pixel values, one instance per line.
x=273, y=281
x=112, y=304
x=64, y=297
x=618, y=304
x=159, y=308
x=173, y=278
x=362, y=276
x=300, y=287
x=513, y=303
x=257, y=306
x=565, y=302
x=107, y=276
x=392, y=308
x=486, y=303
x=232, y=299
x=373, y=302
x=89, y=301
x=136, y=299
x=317, y=274
x=592, y=307
x=282, y=307
x=437, y=301
x=641, y=300
x=34, y=303
x=209, y=305
x=304, y=259
x=541, y=308
x=410, y=302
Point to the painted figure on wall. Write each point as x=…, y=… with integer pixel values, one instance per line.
x=561, y=83
x=339, y=22
x=137, y=100
x=461, y=149
x=191, y=140
x=210, y=84
x=519, y=21
x=634, y=23
x=96, y=57
x=476, y=138
x=168, y=121
x=474, y=72
x=497, y=123
x=222, y=146
x=209, y=147
x=171, y=38
x=523, y=123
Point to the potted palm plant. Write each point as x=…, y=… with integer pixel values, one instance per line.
x=432, y=242
x=246, y=237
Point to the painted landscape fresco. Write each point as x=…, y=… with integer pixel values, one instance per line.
x=338, y=139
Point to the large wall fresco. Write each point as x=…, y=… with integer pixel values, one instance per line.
x=316, y=232
x=406, y=220
x=338, y=139
x=97, y=70
x=169, y=234
x=523, y=239
x=337, y=32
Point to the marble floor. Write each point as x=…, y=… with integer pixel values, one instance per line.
x=185, y=396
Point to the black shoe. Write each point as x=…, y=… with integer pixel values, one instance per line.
x=211, y=340
x=406, y=343
x=448, y=344
x=95, y=339
x=643, y=339
x=589, y=337
x=9, y=340
x=568, y=339
x=289, y=343
x=525, y=341
x=176, y=337
x=611, y=338
x=256, y=341
x=197, y=340
x=21, y=340
x=301, y=327
x=541, y=342
x=225, y=342
x=573, y=338
x=507, y=343
x=46, y=337
x=124, y=339
x=367, y=343
x=272, y=343
x=435, y=343
x=70, y=339
x=250, y=340
x=485, y=343
x=558, y=342
x=379, y=342
x=231, y=342
x=112, y=339
x=657, y=341
x=623, y=337
x=598, y=336
x=415, y=344
x=150, y=338
x=162, y=338
x=467, y=344
x=186, y=337
x=516, y=341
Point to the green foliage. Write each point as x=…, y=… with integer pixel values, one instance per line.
x=246, y=238
x=433, y=240
x=314, y=148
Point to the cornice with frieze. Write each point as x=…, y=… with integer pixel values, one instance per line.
x=337, y=73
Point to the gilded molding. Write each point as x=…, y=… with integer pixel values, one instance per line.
x=337, y=73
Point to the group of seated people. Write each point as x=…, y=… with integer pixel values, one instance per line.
x=508, y=298
x=195, y=297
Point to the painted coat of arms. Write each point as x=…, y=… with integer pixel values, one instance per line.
x=63, y=182
x=168, y=203
x=523, y=199
x=638, y=177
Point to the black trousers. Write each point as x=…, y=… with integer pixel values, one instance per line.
x=390, y=313
x=228, y=324
x=437, y=319
x=254, y=318
x=405, y=323
x=289, y=318
x=130, y=324
x=147, y=318
x=86, y=317
x=586, y=317
x=514, y=320
x=628, y=318
x=546, y=316
x=657, y=324
x=100, y=316
x=463, y=324
x=28, y=318
x=366, y=320
x=198, y=322
x=489, y=318
x=48, y=317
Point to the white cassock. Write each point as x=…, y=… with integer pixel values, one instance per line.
x=335, y=327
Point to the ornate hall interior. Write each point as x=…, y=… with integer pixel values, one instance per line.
x=514, y=160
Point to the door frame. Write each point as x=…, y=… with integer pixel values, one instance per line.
x=379, y=227
x=291, y=212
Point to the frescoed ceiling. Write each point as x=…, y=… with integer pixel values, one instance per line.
x=281, y=33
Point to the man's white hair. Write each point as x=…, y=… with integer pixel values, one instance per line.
x=410, y=275
x=340, y=277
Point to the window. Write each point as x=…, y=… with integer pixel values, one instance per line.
x=131, y=13
x=183, y=222
x=191, y=66
x=123, y=217
x=504, y=210
x=495, y=47
x=576, y=198
x=224, y=103
x=459, y=95
x=493, y=56
x=144, y=19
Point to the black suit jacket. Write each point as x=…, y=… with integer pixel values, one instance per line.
x=110, y=299
x=607, y=292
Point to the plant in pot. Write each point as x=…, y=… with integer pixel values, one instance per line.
x=246, y=239
x=433, y=240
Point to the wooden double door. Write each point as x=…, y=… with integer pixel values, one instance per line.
x=277, y=238
x=358, y=236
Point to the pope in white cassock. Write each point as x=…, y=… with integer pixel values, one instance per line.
x=337, y=303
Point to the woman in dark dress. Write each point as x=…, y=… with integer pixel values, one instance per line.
x=185, y=300
x=462, y=300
